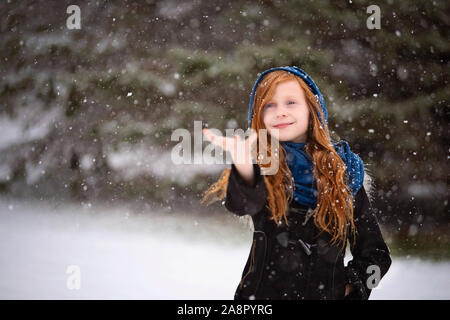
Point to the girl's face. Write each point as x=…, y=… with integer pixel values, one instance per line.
x=288, y=112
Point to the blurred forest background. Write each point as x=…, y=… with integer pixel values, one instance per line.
x=87, y=115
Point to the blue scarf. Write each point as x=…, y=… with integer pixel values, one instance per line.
x=299, y=163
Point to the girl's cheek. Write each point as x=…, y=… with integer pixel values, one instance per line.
x=267, y=120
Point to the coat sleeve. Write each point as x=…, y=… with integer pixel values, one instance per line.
x=369, y=249
x=242, y=199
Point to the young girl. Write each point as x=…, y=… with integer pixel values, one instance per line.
x=304, y=214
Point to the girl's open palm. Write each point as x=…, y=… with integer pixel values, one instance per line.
x=240, y=149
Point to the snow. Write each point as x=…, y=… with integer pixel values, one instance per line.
x=125, y=255
x=414, y=279
x=158, y=163
x=27, y=125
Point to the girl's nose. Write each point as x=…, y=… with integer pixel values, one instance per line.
x=281, y=112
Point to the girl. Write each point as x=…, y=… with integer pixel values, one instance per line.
x=304, y=214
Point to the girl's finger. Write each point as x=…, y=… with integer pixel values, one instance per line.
x=253, y=137
x=215, y=139
x=224, y=143
x=209, y=135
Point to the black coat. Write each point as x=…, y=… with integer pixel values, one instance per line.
x=294, y=262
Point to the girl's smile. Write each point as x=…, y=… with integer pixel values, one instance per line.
x=283, y=125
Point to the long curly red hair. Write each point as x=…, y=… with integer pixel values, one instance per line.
x=334, y=211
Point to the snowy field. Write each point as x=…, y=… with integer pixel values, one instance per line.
x=121, y=254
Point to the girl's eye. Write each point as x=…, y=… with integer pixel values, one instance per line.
x=268, y=105
x=291, y=102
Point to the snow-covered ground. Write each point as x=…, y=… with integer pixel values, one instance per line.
x=118, y=253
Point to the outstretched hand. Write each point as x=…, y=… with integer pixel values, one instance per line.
x=240, y=149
